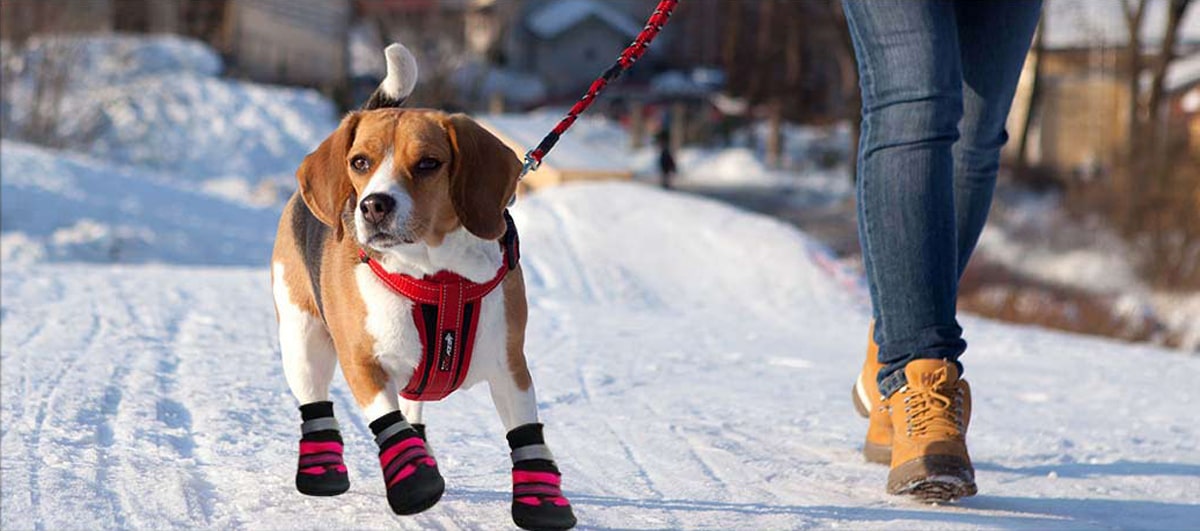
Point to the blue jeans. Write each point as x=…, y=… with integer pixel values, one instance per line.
x=937, y=80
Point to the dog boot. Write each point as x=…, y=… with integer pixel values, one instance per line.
x=930, y=415
x=409, y=471
x=538, y=501
x=878, y=446
x=321, y=471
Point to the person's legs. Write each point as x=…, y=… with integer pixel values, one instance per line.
x=993, y=40
x=915, y=63
x=911, y=80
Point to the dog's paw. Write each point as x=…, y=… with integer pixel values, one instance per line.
x=417, y=492
x=538, y=501
x=321, y=471
x=410, y=473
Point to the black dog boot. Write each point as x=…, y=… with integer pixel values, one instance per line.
x=538, y=502
x=321, y=471
x=409, y=471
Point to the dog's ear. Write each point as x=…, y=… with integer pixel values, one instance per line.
x=483, y=176
x=324, y=181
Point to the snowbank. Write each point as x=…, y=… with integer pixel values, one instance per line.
x=193, y=127
x=1032, y=235
x=59, y=206
x=156, y=103
x=104, y=60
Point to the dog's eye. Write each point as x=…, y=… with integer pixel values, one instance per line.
x=428, y=164
x=360, y=164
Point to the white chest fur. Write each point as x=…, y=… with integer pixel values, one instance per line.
x=389, y=315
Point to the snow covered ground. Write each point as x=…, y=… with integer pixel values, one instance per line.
x=693, y=361
x=693, y=364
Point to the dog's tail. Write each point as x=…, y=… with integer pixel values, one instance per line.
x=400, y=81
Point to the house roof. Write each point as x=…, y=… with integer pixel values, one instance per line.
x=554, y=18
x=1094, y=23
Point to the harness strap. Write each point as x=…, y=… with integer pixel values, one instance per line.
x=445, y=311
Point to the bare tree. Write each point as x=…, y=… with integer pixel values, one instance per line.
x=39, y=58
x=1035, y=92
x=1153, y=198
x=1146, y=164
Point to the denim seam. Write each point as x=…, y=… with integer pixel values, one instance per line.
x=869, y=77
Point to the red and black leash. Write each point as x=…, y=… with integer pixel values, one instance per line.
x=657, y=20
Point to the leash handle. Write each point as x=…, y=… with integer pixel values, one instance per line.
x=658, y=19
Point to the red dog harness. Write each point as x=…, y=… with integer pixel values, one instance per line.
x=445, y=311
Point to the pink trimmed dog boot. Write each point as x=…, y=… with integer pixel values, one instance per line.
x=409, y=471
x=538, y=501
x=320, y=471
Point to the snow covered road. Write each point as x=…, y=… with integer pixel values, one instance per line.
x=693, y=365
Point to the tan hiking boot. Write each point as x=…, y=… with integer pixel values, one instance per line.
x=929, y=420
x=867, y=400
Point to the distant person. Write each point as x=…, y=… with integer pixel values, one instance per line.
x=666, y=161
x=937, y=80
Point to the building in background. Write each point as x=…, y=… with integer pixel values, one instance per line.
x=1081, y=126
x=201, y=19
x=292, y=42
x=567, y=43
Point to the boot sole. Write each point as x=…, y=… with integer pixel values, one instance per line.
x=874, y=453
x=321, y=486
x=424, y=490
x=543, y=518
x=933, y=479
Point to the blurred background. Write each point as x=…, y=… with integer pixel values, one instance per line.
x=209, y=105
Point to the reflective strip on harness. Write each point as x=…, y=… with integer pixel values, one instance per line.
x=445, y=310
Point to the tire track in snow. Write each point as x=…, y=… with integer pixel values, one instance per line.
x=32, y=388
x=114, y=461
x=567, y=251
x=639, y=466
x=109, y=405
x=199, y=493
x=46, y=453
x=571, y=254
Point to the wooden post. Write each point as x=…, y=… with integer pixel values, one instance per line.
x=496, y=103
x=774, y=146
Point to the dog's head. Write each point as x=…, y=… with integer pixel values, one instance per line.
x=411, y=176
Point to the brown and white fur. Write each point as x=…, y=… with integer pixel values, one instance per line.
x=450, y=180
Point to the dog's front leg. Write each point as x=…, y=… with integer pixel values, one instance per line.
x=410, y=473
x=309, y=361
x=414, y=411
x=538, y=501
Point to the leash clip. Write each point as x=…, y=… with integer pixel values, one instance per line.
x=531, y=165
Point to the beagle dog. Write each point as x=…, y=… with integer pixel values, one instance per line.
x=414, y=199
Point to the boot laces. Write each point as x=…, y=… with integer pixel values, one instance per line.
x=934, y=409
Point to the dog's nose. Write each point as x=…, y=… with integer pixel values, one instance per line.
x=376, y=207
